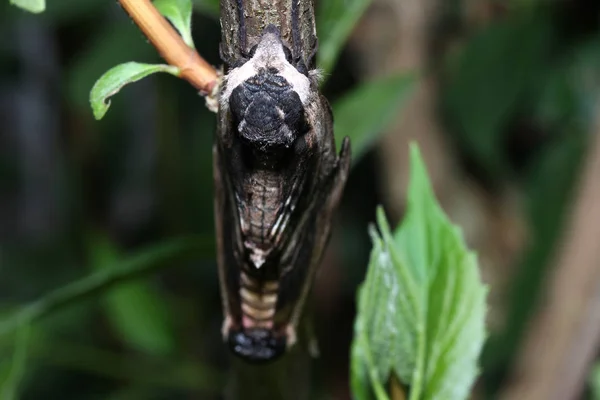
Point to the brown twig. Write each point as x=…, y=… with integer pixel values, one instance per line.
x=565, y=336
x=171, y=46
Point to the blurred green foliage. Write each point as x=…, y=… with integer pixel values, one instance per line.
x=364, y=113
x=335, y=21
x=134, y=308
x=517, y=95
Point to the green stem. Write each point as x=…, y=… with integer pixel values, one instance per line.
x=141, y=264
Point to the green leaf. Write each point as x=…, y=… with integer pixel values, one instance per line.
x=114, y=43
x=9, y=387
x=134, y=308
x=364, y=113
x=34, y=6
x=179, y=12
x=114, y=79
x=335, y=21
x=421, y=308
x=135, y=266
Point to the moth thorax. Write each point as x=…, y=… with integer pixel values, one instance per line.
x=269, y=115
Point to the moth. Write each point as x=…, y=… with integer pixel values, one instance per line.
x=278, y=181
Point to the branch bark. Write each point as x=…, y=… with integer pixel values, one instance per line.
x=242, y=24
x=565, y=336
x=171, y=46
x=257, y=14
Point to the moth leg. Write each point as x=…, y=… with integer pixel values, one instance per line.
x=341, y=176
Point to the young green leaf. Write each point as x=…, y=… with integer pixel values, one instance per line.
x=111, y=45
x=115, y=78
x=335, y=21
x=134, y=309
x=179, y=12
x=421, y=309
x=34, y=6
x=364, y=113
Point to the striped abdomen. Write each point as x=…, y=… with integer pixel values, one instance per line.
x=258, y=301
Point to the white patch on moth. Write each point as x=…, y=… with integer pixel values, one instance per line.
x=277, y=223
x=258, y=257
x=269, y=54
x=242, y=125
x=280, y=112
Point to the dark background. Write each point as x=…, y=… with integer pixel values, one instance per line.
x=504, y=115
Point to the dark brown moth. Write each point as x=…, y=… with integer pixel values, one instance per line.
x=278, y=181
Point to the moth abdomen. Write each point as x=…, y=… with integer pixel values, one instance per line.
x=256, y=339
x=258, y=308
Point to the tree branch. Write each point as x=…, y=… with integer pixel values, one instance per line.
x=171, y=46
x=257, y=15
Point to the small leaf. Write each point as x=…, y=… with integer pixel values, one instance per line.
x=34, y=6
x=114, y=43
x=421, y=308
x=364, y=113
x=335, y=21
x=114, y=79
x=133, y=308
x=179, y=12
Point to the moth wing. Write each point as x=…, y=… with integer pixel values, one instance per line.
x=313, y=235
x=228, y=241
